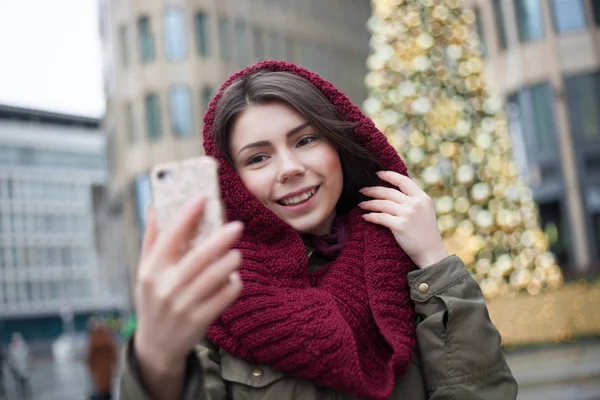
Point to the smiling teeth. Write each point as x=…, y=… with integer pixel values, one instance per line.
x=298, y=199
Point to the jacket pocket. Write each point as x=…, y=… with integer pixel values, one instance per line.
x=236, y=370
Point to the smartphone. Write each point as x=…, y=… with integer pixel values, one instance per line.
x=175, y=184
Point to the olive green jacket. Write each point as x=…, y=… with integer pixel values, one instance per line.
x=458, y=353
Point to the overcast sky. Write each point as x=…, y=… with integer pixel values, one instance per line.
x=50, y=56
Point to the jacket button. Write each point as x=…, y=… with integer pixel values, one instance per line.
x=257, y=372
x=423, y=288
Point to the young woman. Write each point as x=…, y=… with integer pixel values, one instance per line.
x=331, y=283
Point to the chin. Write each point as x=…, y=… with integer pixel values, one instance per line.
x=309, y=227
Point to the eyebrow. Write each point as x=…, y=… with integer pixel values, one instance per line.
x=266, y=143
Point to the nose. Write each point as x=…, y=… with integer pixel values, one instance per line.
x=289, y=167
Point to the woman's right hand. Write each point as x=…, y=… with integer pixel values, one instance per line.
x=181, y=290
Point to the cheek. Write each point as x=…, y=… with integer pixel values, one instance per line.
x=331, y=165
x=259, y=183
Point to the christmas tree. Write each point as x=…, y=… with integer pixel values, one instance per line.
x=429, y=97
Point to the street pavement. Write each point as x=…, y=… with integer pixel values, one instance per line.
x=54, y=381
x=569, y=371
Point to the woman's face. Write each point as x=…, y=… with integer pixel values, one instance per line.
x=288, y=166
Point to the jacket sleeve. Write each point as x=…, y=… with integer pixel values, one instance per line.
x=202, y=375
x=458, y=344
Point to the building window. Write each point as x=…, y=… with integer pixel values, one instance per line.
x=146, y=40
x=201, y=28
x=153, y=121
x=224, y=39
x=535, y=105
x=275, y=46
x=290, y=49
x=569, y=15
x=529, y=20
x=174, y=34
x=583, y=97
x=180, y=109
x=259, y=44
x=124, y=45
x=480, y=32
x=500, y=28
x=596, y=9
x=130, y=122
x=241, y=43
x=207, y=94
x=143, y=199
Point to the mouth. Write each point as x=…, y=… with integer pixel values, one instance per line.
x=298, y=199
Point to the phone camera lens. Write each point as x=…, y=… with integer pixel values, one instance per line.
x=161, y=174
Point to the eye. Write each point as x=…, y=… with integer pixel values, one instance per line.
x=306, y=140
x=256, y=159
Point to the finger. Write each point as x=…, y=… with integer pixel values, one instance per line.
x=212, y=308
x=150, y=233
x=383, y=193
x=403, y=182
x=211, y=280
x=216, y=246
x=382, y=206
x=387, y=220
x=168, y=244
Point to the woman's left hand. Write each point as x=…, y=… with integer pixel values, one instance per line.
x=409, y=214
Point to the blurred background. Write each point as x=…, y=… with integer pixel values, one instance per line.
x=95, y=92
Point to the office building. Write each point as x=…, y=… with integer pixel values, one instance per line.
x=543, y=56
x=54, y=259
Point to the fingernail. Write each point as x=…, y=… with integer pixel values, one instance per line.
x=379, y=173
x=198, y=201
x=234, y=278
x=361, y=203
x=363, y=190
x=236, y=225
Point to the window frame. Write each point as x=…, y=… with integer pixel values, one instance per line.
x=175, y=40
x=153, y=136
x=555, y=18
x=519, y=18
x=147, y=47
x=180, y=129
x=202, y=33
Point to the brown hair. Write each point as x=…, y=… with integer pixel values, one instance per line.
x=358, y=165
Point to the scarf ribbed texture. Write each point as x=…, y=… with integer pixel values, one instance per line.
x=349, y=326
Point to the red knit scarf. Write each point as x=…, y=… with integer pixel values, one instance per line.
x=350, y=325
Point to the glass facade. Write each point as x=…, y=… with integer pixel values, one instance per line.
x=241, y=43
x=153, y=120
x=530, y=21
x=123, y=45
x=207, y=93
x=499, y=19
x=224, y=39
x=536, y=116
x=202, y=30
x=130, y=123
x=180, y=110
x=259, y=44
x=146, y=40
x=480, y=32
x=568, y=15
x=275, y=46
x=596, y=10
x=49, y=159
x=583, y=98
x=175, y=42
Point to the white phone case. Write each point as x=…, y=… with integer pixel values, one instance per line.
x=176, y=184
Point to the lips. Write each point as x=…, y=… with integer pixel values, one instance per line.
x=298, y=197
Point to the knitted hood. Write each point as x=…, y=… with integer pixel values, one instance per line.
x=244, y=206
